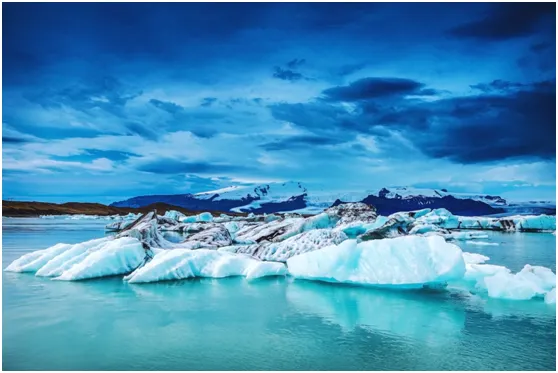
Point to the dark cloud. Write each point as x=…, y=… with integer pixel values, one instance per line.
x=135, y=128
x=506, y=21
x=369, y=88
x=208, y=101
x=295, y=142
x=13, y=140
x=318, y=117
x=173, y=166
x=349, y=69
x=493, y=127
x=497, y=85
x=113, y=155
x=541, y=57
x=293, y=64
x=506, y=120
x=169, y=107
x=539, y=47
x=285, y=74
x=106, y=93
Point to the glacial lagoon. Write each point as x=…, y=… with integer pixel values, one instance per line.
x=274, y=323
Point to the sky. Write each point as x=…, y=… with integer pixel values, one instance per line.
x=105, y=101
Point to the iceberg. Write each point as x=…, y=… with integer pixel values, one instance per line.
x=183, y=263
x=530, y=282
x=174, y=215
x=212, y=237
x=440, y=217
x=535, y=222
x=33, y=261
x=295, y=245
x=65, y=260
x=483, y=243
x=203, y=217
x=95, y=258
x=473, y=258
x=476, y=272
x=406, y=262
x=356, y=228
x=116, y=257
x=463, y=236
x=272, y=231
x=550, y=297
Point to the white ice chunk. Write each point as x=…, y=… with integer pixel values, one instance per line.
x=440, y=217
x=182, y=263
x=550, y=297
x=409, y=261
x=64, y=261
x=204, y=216
x=531, y=281
x=115, y=257
x=356, y=228
x=174, y=215
x=473, y=258
x=33, y=261
x=421, y=213
x=463, y=236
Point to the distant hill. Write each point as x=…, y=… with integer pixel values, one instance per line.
x=30, y=209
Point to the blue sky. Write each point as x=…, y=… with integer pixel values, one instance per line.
x=107, y=101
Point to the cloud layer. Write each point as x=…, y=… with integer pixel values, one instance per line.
x=176, y=98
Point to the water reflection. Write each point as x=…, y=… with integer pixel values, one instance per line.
x=433, y=317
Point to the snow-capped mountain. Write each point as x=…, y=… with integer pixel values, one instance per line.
x=294, y=196
x=272, y=197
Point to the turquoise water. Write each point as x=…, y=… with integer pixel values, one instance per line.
x=271, y=324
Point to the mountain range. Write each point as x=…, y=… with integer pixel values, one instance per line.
x=295, y=197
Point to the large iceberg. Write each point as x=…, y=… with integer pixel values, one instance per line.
x=407, y=262
x=183, y=263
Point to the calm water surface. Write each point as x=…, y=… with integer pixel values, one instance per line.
x=270, y=324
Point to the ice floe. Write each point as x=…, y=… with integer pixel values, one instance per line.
x=474, y=258
x=483, y=243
